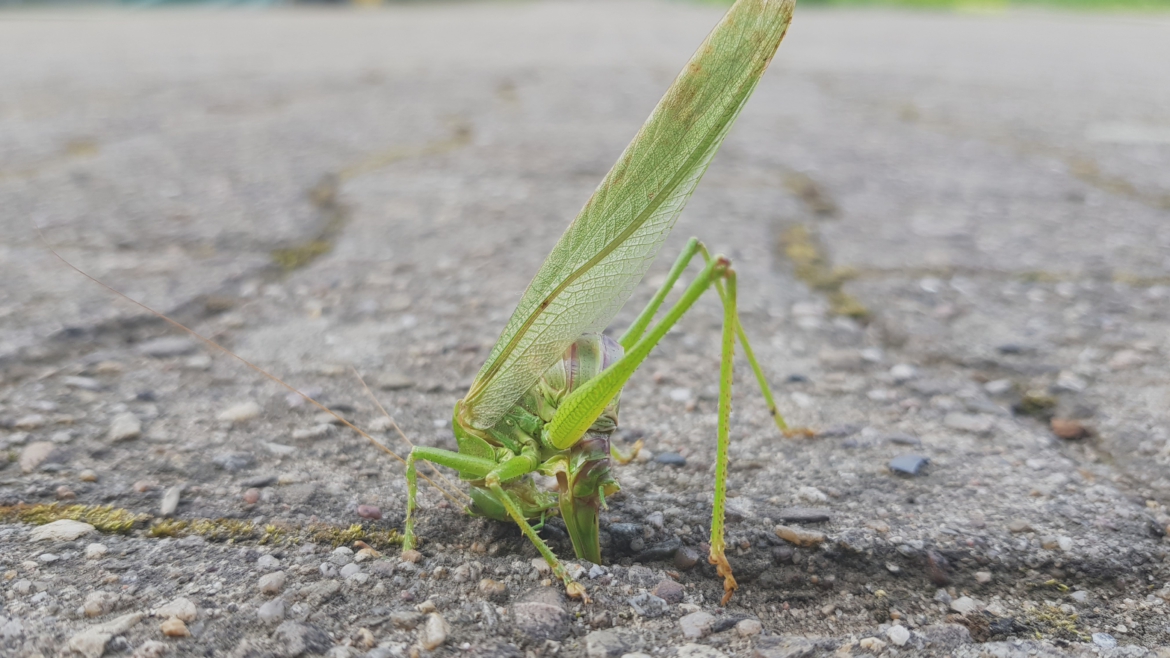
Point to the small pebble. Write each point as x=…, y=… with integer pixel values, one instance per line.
x=965, y=605
x=696, y=625
x=170, y=500
x=669, y=591
x=671, y=459
x=434, y=632
x=272, y=583
x=369, y=512
x=1069, y=430
x=898, y=635
x=908, y=464
x=328, y=569
x=1104, y=640
x=981, y=577
x=267, y=563
x=87, y=475
x=181, y=608
x=62, y=530
x=48, y=558
x=350, y=569
x=872, y=644
x=685, y=558
x=1018, y=526
x=749, y=627
x=65, y=493
x=903, y=372
x=492, y=588
x=411, y=556
x=271, y=612
x=96, y=551
x=34, y=454
x=252, y=496
x=240, y=413
x=800, y=536
x=143, y=486
x=174, y=627
x=124, y=427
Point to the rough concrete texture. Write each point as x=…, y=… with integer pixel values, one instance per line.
x=953, y=243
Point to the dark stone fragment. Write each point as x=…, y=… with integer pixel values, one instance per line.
x=804, y=515
x=726, y=622
x=908, y=464
x=671, y=459
x=797, y=378
x=300, y=639
x=663, y=551
x=145, y=396
x=782, y=554
x=669, y=591
x=624, y=533
x=1006, y=626
x=686, y=557
x=904, y=440
x=1014, y=348
x=259, y=481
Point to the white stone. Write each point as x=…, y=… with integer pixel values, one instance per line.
x=903, y=372
x=812, y=495
x=268, y=563
x=433, y=633
x=35, y=453
x=62, y=530
x=240, y=413
x=696, y=625
x=272, y=583
x=170, y=500
x=91, y=642
x=898, y=635
x=124, y=427
x=182, y=607
x=749, y=627
x=965, y=605
x=872, y=644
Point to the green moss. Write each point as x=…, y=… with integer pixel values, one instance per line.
x=298, y=256
x=335, y=536
x=1036, y=404
x=1049, y=620
x=114, y=520
x=107, y=519
x=210, y=529
x=812, y=266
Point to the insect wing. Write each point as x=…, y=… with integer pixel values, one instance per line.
x=607, y=249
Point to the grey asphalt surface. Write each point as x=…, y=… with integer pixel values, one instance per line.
x=990, y=188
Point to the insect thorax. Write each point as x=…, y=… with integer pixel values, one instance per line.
x=582, y=361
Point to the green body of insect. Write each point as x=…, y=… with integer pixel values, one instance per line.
x=546, y=401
